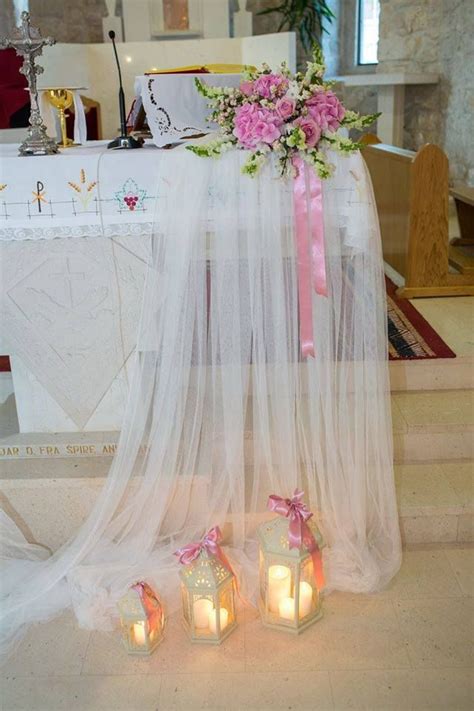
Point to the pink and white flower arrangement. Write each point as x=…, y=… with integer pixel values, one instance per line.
x=282, y=114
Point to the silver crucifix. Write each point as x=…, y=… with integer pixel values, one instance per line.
x=28, y=43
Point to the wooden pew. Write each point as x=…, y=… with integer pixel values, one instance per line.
x=411, y=192
x=464, y=200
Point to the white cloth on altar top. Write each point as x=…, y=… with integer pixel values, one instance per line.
x=223, y=412
x=173, y=107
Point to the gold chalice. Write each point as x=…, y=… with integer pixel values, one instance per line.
x=62, y=99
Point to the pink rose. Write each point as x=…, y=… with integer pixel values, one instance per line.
x=285, y=107
x=270, y=85
x=310, y=129
x=255, y=124
x=247, y=88
x=326, y=109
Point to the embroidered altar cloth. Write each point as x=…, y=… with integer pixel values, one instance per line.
x=63, y=196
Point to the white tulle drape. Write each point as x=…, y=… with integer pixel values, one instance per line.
x=222, y=411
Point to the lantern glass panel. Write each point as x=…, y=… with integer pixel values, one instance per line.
x=309, y=593
x=202, y=609
x=226, y=606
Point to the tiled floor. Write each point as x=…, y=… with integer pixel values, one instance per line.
x=407, y=648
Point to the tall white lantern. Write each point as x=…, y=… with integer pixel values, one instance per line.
x=207, y=590
x=290, y=567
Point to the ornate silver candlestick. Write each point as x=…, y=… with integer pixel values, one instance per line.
x=28, y=43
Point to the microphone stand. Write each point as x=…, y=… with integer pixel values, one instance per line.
x=124, y=140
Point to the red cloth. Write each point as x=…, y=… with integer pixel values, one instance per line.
x=12, y=86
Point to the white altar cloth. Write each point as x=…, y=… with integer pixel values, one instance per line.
x=64, y=196
x=173, y=107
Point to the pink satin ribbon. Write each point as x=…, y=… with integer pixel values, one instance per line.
x=299, y=533
x=210, y=543
x=151, y=604
x=310, y=252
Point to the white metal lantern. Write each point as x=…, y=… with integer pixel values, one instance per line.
x=289, y=594
x=207, y=587
x=142, y=619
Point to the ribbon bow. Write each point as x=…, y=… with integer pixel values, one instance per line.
x=210, y=543
x=150, y=602
x=299, y=533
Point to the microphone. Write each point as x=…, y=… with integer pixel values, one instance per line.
x=124, y=140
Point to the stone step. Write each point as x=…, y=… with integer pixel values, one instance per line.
x=433, y=425
x=49, y=499
x=432, y=374
x=427, y=426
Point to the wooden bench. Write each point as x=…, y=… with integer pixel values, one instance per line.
x=464, y=200
x=461, y=258
x=412, y=193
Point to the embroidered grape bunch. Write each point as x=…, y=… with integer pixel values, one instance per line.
x=131, y=201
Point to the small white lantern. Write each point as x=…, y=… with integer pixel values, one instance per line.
x=289, y=594
x=142, y=619
x=207, y=587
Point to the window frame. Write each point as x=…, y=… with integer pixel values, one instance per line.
x=358, y=43
x=348, y=40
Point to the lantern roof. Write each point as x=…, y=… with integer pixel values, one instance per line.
x=207, y=572
x=273, y=537
x=133, y=604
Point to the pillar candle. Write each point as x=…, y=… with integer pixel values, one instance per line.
x=306, y=599
x=201, y=610
x=139, y=634
x=279, y=585
x=224, y=619
x=286, y=608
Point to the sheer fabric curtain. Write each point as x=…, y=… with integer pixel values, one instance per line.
x=222, y=411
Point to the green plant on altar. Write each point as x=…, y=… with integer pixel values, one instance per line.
x=307, y=17
x=292, y=116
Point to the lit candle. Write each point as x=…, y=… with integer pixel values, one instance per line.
x=139, y=634
x=286, y=608
x=279, y=585
x=201, y=610
x=224, y=620
x=306, y=599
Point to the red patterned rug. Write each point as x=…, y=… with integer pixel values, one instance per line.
x=410, y=336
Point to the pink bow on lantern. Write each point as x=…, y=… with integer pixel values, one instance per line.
x=299, y=533
x=210, y=543
x=150, y=602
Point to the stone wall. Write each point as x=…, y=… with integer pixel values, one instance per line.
x=66, y=20
x=6, y=17
x=434, y=36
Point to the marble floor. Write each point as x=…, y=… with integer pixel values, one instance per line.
x=407, y=648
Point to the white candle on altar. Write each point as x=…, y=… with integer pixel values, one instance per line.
x=224, y=619
x=139, y=634
x=279, y=585
x=306, y=599
x=286, y=608
x=201, y=610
